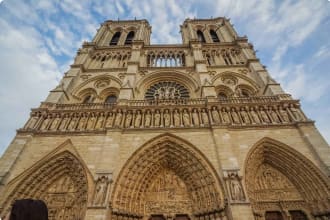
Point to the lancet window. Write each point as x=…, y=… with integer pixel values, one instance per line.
x=129, y=38
x=167, y=90
x=111, y=99
x=88, y=99
x=214, y=36
x=200, y=36
x=115, y=39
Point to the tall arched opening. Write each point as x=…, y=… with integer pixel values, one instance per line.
x=168, y=178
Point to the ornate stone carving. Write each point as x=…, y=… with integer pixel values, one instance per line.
x=101, y=190
x=215, y=115
x=137, y=122
x=234, y=185
x=176, y=118
x=185, y=118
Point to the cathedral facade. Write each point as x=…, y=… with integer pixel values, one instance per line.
x=197, y=130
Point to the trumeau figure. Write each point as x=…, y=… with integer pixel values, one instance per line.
x=176, y=117
x=157, y=119
x=167, y=118
x=205, y=117
x=215, y=115
x=109, y=122
x=137, y=122
x=195, y=117
x=185, y=117
x=118, y=119
x=147, y=122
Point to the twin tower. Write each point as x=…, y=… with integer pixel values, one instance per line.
x=197, y=130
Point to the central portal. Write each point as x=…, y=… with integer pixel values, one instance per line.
x=168, y=195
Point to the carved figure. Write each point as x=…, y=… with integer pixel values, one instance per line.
x=82, y=122
x=205, y=117
x=147, y=120
x=167, y=118
x=176, y=117
x=264, y=116
x=72, y=124
x=245, y=116
x=64, y=122
x=100, y=121
x=91, y=122
x=254, y=116
x=285, y=115
x=157, y=119
x=32, y=122
x=236, y=190
x=118, y=119
x=45, y=123
x=100, y=191
x=274, y=116
x=137, y=121
x=185, y=117
x=55, y=123
x=195, y=116
x=109, y=122
x=225, y=116
x=128, y=120
x=297, y=116
x=235, y=116
x=215, y=115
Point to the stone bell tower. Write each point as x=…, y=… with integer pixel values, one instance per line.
x=191, y=131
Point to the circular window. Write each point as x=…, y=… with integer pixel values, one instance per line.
x=167, y=90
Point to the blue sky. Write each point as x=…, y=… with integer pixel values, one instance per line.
x=39, y=39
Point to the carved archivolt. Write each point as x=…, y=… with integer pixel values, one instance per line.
x=190, y=182
x=60, y=181
x=280, y=179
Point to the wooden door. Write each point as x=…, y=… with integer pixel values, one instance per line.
x=274, y=216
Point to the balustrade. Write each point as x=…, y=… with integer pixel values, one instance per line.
x=165, y=58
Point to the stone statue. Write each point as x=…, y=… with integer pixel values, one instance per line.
x=274, y=116
x=167, y=118
x=100, y=121
x=235, y=116
x=100, y=191
x=72, y=124
x=147, y=120
x=32, y=122
x=82, y=123
x=55, y=123
x=297, y=116
x=109, y=122
x=225, y=116
x=195, y=116
x=157, y=119
x=254, y=116
x=215, y=115
x=245, y=116
x=264, y=116
x=128, y=120
x=205, y=117
x=236, y=190
x=118, y=119
x=91, y=122
x=185, y=117
x=64, y=122
x=45, y=123
x=176, y=116
x=284, y=114
x=137, y=122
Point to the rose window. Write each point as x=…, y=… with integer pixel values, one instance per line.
x=167, y=90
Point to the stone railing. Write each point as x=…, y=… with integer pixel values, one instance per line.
x=190, y=113
x=165, y=57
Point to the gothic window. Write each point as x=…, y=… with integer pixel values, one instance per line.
x=111, y=99
x=222, y=96
x=129, y=38
x=214, y=36
x=166, y=90
x=200, y=36
x=115, y=39
x=298, y=215
x=88, y=99
x=274, y=216
x=245, y=93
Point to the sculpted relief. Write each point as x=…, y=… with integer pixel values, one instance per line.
x=167, y=194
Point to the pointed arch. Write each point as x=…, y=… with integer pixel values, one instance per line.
x=129, y=38
x=60, y=179
x=214, y=36
x=115, y=39
x=200, y=36
x=310, y=187
x=183, y=160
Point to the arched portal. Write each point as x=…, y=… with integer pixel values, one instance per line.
x=60, y=181
x=167, y=177
x=282, y=182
